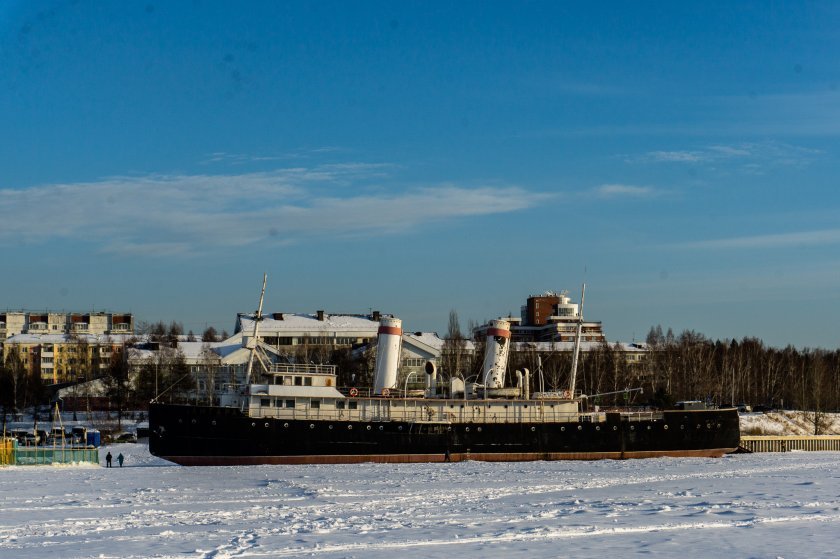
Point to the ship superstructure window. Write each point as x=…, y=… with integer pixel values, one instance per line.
x=278, y=403
x=298, y=381
x=315, y=404
x=353, y=404
x=290, y=403
x=265, y=402
x=339, y=405
x=307, y=381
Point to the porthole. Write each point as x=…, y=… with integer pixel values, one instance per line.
x=648, y=427
x=615, y=427
x=180, y=420
x=381, y=427
x=311, y=425
x=349, y=427
x=467, y=429
x=266, y=425
x=580, y=427
x=698, y=425
x=285, y=425
x=368, y=427
x=479, y=429
x=665, y=427
x=449, y=428
x=597, y=427
x=330, y=427
x=399, y=428
x=562, y=428
x=533, y=429
x=632, y=427
x=193, y=421
x=213, y=422
x=718, y=425
x=253, y=424
x=682, y=426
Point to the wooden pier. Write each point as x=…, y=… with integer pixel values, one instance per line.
x=773, y=443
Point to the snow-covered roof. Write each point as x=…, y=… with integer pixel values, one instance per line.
x=430, y=339
x=310, y=323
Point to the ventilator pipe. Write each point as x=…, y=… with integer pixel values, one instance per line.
x=431, y=379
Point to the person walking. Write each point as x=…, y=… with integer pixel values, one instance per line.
x=108, y=459
x=120, y=459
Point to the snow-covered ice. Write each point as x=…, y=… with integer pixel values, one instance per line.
x=759, y=505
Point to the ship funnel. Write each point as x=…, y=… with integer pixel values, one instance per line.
x=496, y=354
x=387, y=354
x=431, y=378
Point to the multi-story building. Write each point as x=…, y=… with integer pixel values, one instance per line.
x=288, y=332
x=26, y=322
x=550, y=317
x=63, y=358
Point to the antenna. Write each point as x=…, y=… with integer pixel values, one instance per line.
x=257, y=318
x=577, y=343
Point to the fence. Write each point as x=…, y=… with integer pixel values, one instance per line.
x=788, y=443
x=7, y=446
x=13, y=455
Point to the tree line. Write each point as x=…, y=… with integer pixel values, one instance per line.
x=687, y=366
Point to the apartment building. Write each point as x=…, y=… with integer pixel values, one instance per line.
x=64, y=358
x=26, y=322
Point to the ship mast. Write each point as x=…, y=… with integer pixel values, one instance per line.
x=577, y=344
x=253, y=342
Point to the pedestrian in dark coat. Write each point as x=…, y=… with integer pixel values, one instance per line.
x=120, y=459
x=108, y=460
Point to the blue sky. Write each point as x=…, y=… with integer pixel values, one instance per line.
x=418, y=157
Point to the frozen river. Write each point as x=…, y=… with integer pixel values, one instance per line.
x=760, y=505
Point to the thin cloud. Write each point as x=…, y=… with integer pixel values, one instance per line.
x=181, y=214
x=607, y=191
x=749, y=155
x=246, y=158
x=674, y=156
x=780, y=240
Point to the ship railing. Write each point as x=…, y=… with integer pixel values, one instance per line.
x=299, y=368
x=419, y=412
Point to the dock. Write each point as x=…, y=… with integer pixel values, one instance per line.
x=787, y=443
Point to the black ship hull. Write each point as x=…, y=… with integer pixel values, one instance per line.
x=210, y=435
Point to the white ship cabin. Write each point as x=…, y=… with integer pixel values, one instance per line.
x=295, y=387
x=309, y=392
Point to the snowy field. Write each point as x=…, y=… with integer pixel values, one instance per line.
x=759, y=505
